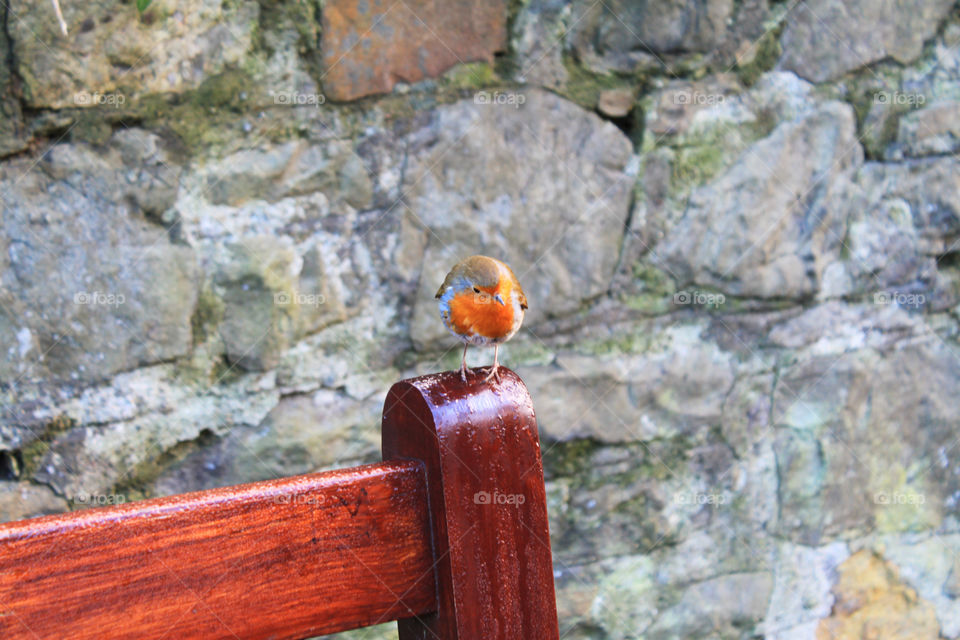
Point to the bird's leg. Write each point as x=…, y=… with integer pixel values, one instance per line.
x=496, y=365
x=463, y=362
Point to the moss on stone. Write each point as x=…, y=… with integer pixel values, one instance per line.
x=201, y=118
x=583, y=87
x=693, y=166
x=655, y=290
x=768, y=51
x=35, y=450
x=224, y=90
x=91, y=127
x=578, y=459
x=569, y=458
x=206, y=315
x=472, y=75
x=136, y=484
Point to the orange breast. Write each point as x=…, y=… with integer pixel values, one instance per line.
x=481, y=314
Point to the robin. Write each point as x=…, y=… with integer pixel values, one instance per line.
x=481, y=303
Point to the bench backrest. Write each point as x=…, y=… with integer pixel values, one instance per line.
x=448, y=535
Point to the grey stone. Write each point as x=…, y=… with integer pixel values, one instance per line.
x=933, y=130
x=833, y=412
x=931, y=565
x=90, y=286
x=99, y=457
x=676, y=385
x=271, y=297
x=538, y=37
x=12, y=130
x=721, y=605
x=615, y=103
x=825, y=39
x=174, y=47
x=290, y=169
x=764, y=228
x=663, y=26
x=256, y=282
x=21, y=500
x=801, y=590
x=301, y=434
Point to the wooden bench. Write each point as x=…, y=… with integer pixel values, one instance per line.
x=448, y=536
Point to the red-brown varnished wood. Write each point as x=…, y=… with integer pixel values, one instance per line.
x=289, y=558
x=488, y=506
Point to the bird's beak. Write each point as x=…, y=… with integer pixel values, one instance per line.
x=499, y=298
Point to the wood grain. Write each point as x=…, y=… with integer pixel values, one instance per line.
x=289, y=558
x=481, y=449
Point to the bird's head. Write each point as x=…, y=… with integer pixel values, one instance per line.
x=491, y=281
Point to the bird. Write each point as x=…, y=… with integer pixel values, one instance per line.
x=481, y=303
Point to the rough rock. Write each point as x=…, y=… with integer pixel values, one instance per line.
x=271, y=297
x=763, y=228
x=534, y=179
x=615, y=103
x=721, y=605
x=675, y=384
x=290, y=169
x=21, y=500
x=834, y=412
x=90, y=286
x=538, y=39
x=369, y=46
x=99, y=458
x=12, y=130
x=933, y=130
x=873, y=602
x=301, y=434
x=930, y=564
x=112, y=54
x=825, y=39
x=693, y=132
x=907, y=213
x=801, y=594
x=663, y=26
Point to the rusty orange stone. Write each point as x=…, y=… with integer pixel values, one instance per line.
x=370, y=45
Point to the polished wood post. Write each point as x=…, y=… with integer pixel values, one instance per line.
x=491, y=541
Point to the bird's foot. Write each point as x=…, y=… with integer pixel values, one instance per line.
x=494, y=374
x=463, y=373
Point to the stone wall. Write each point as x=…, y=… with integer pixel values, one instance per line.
x=737, y=222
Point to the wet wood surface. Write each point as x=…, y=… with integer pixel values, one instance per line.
x=481, y=449
x=289, y=558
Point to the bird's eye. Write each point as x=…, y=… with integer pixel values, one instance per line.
x=476, y=290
